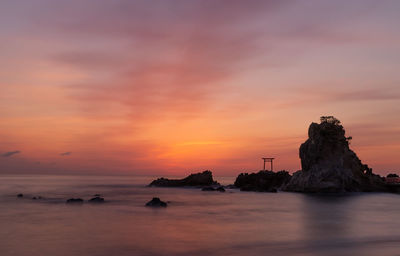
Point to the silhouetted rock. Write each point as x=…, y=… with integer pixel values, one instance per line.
x=74, y=201
x=210, y=188
x=96, y=199
x=393, y=182
x=328, y=164
x=34, y=198
x=156, y=202
x=20, y=195
x=198, y=179
x=263, y=181
x=220, y=189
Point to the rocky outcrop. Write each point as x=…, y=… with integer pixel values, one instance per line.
x=198, y=180
x=263, y=181
x=156, y=202
x=329, y=165
x=74, y=201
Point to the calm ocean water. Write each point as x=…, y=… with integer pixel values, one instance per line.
x=195, y=223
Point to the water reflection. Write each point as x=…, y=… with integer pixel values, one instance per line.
x=326, y=220
x=332, y=224
x=326, y=216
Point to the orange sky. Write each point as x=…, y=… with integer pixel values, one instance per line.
x=170, y=87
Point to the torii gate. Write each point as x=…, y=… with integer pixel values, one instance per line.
x=268, y=159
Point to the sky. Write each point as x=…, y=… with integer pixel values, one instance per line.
x=173, y=87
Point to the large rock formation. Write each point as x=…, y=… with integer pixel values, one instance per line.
x=263, y=181
x=198, y=179
x=329, y=165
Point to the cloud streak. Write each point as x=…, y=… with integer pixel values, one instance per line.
x=11, y=153
x=170, y=67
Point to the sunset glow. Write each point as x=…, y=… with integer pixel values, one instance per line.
x=169, y=87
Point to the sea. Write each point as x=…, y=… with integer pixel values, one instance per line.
x=194, y=223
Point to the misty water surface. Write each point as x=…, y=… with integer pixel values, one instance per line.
x=194, y=223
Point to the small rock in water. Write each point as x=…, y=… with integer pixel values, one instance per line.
x=220, y=189
x=156, y=202
x=96, y=199
x=34, y=198
x=208, y=189
x=74, y=201
x=273, y=190
x=20, y=195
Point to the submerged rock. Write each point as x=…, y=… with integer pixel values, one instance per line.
x=263, y=181
x=329, y=165
x=20, y=195
x=74, y=201
x=211, y=188
x=156, y=202
x=231, y=186
x=198, y=179
x=96, y=199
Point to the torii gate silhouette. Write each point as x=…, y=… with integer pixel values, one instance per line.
x=268, y=159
